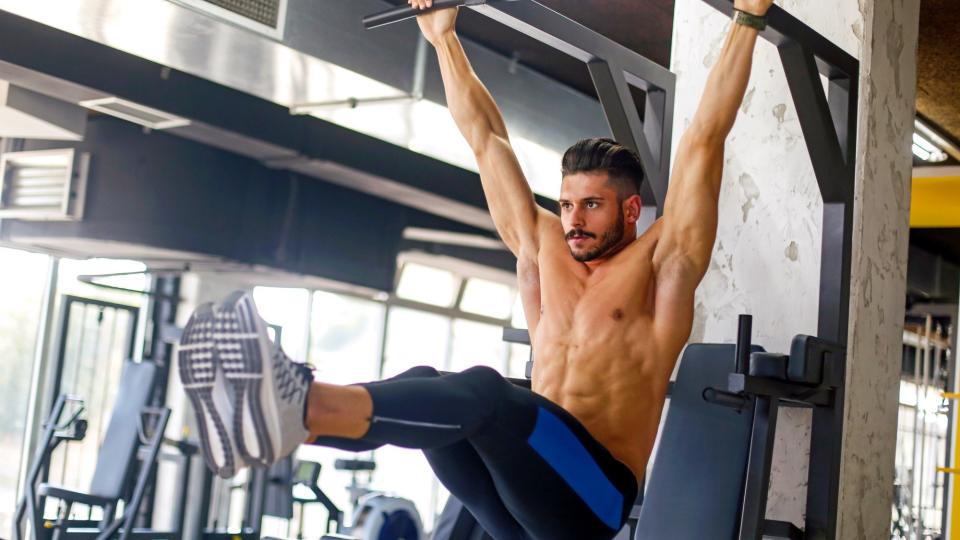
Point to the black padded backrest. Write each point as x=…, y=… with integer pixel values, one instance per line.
x=696, y=483
x=118, y=449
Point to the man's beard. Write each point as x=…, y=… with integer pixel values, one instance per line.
x=608, y=240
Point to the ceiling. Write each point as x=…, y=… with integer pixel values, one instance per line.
x=938, y=65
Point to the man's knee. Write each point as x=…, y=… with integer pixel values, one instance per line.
x=485, y=380
x=419, y=372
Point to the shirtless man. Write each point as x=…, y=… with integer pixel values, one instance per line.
x=608, y=312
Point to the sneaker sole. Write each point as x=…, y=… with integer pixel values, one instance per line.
x=197, y=366
x=243, y=347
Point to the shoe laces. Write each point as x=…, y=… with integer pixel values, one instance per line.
x=292, y=378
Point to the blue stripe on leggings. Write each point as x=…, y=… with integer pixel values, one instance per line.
x=561, y=449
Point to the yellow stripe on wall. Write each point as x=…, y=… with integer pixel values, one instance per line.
x=935, y=202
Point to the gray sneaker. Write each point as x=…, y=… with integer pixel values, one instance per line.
x=206, y=387
x=269, y=388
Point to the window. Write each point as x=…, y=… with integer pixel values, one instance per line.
x=345, y=338
x=414, y=338
x=287, y=308
x=487, y=298
x=22, y=283
x=428, y=285
x=477, y=344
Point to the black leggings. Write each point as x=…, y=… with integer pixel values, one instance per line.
x=524, y=467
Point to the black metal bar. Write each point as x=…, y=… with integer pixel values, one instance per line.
x=744, y=337
x=614, y=69
x=762, y=386
x=727, y=399
x=574, y=39
x=782, y=529
x=816, y=121
x=402, y=13
x=758, y=469
x=164, y=300
x=516, y=335
x=627, y=128
x=782, y=27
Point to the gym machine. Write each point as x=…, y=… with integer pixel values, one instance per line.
x=813, y=374
x=134, y=434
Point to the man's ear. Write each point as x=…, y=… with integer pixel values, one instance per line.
x=631, y=209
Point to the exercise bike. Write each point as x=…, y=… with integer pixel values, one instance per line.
x=376, y=516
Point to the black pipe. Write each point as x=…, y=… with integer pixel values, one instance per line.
x=726, y=399
x=403, y=13
x=744, y=331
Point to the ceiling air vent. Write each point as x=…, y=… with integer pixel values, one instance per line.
x=136, y=113
x=263, y=16
x=44, y=185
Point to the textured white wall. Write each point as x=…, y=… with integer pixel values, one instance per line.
x=767, y=257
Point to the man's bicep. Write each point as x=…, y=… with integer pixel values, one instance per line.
x=509, y=197
x=690, y=212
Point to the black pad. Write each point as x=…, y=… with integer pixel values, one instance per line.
x=354, y=465
x=123, y=433
x=810, y=359
x=696, y=484
x=769, y=365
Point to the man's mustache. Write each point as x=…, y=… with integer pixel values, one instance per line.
x=579, y=232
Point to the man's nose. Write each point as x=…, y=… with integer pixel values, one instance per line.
x=576, y=218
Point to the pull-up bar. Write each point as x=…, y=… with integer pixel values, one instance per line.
x=613, y=67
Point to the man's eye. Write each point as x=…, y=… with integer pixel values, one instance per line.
x=592, y=204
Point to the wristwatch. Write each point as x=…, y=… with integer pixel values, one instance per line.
x=750, y=20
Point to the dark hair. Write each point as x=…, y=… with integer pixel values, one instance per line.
x=606, y=155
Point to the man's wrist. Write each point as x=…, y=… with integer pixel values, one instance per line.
x=744, y=18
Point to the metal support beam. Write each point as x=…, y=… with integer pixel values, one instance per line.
x=829, y=124
x=614, y=68
x=757, y=482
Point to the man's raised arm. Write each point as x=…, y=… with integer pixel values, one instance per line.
x=511, y=202
x=689, y=218
x=690, y=211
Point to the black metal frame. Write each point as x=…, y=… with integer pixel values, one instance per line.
x=67, y=302
x=613, y=68
x=829, y=125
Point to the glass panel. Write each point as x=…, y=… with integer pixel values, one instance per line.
x=487, y=298
x=518, y=318
x=345, y=335
x=286, y=308
x=477, y=344
x=415, y=338
x=22, y=281
x=428, y=285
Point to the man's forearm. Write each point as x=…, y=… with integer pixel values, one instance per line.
x=726, y=85
x=468, y=100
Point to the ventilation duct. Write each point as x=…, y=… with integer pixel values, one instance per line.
x=43, y=185
x=25, y=114
x=265, y=17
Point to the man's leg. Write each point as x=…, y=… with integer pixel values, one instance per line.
x=457, y=466
x=541, y=463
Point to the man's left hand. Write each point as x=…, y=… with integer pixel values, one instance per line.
x=753, y=7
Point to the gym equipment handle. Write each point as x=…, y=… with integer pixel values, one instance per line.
x=403, y=13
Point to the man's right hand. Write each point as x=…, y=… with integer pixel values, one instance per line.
x=435, y=24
